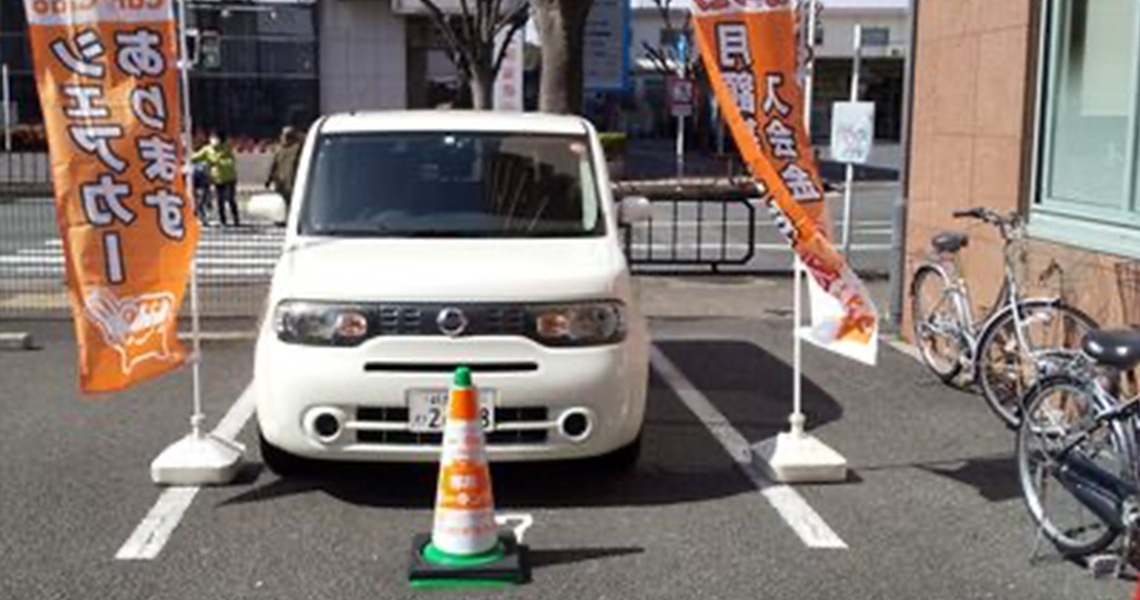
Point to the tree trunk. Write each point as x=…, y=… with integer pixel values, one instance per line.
x=483, y=90
x=562, y=26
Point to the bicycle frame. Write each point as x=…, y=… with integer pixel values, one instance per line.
x=1008, y=297
x=1113, y=499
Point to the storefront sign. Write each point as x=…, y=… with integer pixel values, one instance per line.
x=606, y=57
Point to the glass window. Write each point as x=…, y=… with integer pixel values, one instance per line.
x=1091, y=97
x=876, y=36
x=452, y=185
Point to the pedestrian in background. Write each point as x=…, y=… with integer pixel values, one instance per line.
x=222, y=168
x=201, y=174
x=284, y=168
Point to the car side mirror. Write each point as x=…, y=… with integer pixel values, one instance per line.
x=634, y=209
x=270, y=207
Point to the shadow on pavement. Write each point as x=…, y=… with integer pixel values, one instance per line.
x=995, y=477
x=550, y=557
x=680, y=462
x=751, y=387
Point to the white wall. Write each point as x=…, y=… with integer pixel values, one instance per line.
x=363, y=56
x=839, y=32
x=647, y=26
x=838, y=25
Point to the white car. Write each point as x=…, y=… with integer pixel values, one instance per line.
x=421, y=241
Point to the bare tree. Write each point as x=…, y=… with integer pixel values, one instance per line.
x=562, y=25
x=474, y=38
x=659, y=55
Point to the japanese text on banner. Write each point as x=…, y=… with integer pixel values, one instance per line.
x=108, y=83
x=749, y=50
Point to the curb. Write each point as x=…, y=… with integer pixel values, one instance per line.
x=219, y=336
x=17, y=341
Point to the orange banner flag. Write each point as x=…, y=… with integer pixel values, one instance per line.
x=749, y=51
x=107, y=73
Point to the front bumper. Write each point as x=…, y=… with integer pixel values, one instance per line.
x=365, y=389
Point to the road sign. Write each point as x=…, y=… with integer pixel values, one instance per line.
x=852, y=131
x=681, y=97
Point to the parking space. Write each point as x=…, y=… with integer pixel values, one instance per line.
x=930, y=511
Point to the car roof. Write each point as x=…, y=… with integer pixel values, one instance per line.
x=453, y=120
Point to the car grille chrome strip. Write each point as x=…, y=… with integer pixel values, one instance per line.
x=389, y=426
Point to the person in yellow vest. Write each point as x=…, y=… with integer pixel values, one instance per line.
x=221, y=167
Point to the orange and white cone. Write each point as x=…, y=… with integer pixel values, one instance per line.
x=464, y=507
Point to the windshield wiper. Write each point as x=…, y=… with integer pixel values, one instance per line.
x=376, y=230
x=446, y=233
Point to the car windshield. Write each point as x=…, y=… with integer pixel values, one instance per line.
x=452, y=185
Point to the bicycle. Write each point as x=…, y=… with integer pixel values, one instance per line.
x=1019, y=341
x=1077, y=449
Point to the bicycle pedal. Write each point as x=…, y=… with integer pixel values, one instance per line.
x=1104, y=566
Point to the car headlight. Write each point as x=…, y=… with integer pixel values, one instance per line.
x=585, y=324
x=320, y=324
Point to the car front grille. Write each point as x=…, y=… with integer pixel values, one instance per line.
x=420, y=319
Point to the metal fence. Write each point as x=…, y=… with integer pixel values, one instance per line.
x=24, y=174
x=693, y=236
x=235, y=264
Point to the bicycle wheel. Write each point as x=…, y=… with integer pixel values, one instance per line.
x=1006, y=370
x=1058, y=410
x=936, y=323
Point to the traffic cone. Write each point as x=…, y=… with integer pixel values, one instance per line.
x=465, y=547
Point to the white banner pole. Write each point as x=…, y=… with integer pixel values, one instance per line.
x=7, y=99
x=198, y=417
x=797, y=456
x=797, y=418
x=198, y=458
x=850, y=178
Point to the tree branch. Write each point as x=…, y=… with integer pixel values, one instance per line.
x=659, y=58
x=449, y=33
x=515, y=22
x=663, y=8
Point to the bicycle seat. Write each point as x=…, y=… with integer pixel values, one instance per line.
x=949, y=242
x=1119, y=348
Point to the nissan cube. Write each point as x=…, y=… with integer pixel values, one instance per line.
x=420, y=242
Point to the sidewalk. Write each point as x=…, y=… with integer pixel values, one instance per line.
x=739, y=297
x=657, y=159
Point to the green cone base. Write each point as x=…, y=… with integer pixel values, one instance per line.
x=501, y=566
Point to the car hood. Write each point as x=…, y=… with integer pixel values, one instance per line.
x=481, y=270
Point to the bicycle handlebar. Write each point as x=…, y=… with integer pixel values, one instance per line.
x=990, y=216
x=973, y=213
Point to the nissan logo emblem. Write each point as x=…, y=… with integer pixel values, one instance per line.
x=452, y=322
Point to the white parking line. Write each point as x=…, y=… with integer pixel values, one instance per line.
x=796, y=512
x=155, y=529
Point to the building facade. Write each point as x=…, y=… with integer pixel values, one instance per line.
x=1033, y=106
x=262, y=64
x=885, y=40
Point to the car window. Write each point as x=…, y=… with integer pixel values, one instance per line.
x=452, y=185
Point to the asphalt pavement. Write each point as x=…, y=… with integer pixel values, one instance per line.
x=931, y=509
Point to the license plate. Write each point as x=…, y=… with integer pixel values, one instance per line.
x=427, y=409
